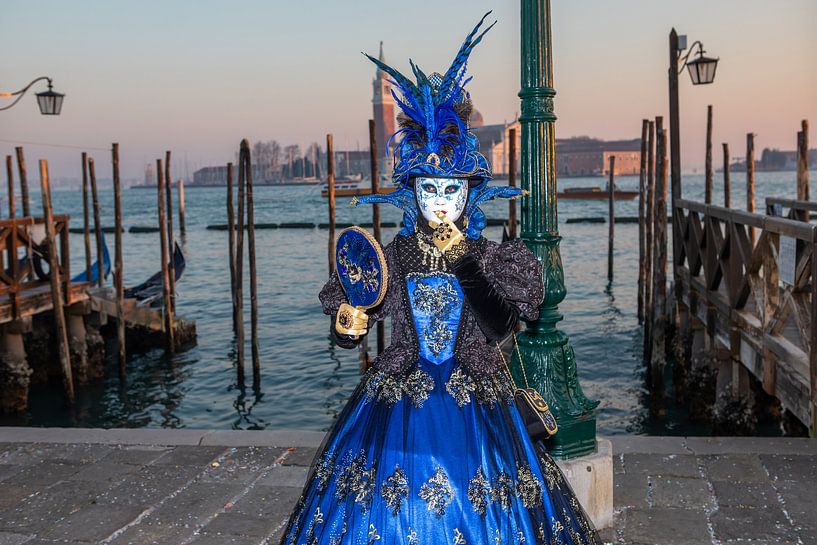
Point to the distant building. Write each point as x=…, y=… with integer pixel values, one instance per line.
x=585, y=156
x=383, y=106
x=218, y=175
x=349, y=164
x=581, y=156
x=493, y=143
x=150, y=176
x=775, y=160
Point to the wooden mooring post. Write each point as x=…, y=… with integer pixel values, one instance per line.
x=611, y=213
x=231, y=241
x=254, y=342
x=57, y=299
x=750, y=178
x=119, y=269
x=512, y=182
x=171, y=248
x=727, y=188
x=21, y=167
x=649, y=241
x=802, y=163
x=97, y=225
x=182, y=227
x=378, y=235
x=330, y=182
x=10, y=178
x=659, y=307
x=86, y=220
x=709, y=177
x=642, y=196
x=239, y=273
x=166, y=297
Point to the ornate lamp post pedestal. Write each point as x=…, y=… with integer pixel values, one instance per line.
x=545, y=350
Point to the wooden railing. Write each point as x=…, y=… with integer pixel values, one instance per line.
x=799, y=210
x=750, y=278
x=20, y=240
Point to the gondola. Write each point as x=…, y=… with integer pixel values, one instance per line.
x=83, y=276
x=150, y=291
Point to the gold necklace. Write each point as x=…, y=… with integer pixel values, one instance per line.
x=432, y=256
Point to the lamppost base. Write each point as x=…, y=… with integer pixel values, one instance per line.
x=591, y=478
x=576, y=437
x=550, y=365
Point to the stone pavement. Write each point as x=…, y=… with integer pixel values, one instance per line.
x=202, y=487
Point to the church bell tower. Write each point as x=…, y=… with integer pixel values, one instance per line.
x=384, y=124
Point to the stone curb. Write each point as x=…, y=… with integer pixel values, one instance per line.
x=700, y=446
x=162, y=436
x=622, y=444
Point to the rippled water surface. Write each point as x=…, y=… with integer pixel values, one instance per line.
x=304, y=380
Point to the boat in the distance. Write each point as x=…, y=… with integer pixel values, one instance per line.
x=595, y=193
x=355, y=186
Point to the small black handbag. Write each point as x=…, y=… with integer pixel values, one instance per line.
x=539, y=421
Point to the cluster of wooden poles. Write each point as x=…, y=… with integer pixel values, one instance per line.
x=653, y=222
x=56, y=283
x=236, y=225
x=652, y=238
x=91, y=206
x=164, y=201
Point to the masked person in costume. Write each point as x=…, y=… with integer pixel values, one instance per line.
x=431, y=448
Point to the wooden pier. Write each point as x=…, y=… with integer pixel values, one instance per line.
x=27, y=333
x=748, y=292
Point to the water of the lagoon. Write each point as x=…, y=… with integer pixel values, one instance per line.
x=305, y=381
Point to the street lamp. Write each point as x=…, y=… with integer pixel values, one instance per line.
x=702, y=68
x=50, y=102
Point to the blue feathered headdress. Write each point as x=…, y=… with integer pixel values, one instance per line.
x=434, y=139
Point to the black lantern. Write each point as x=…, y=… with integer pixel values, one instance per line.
x=50, y=102
x=702, y=69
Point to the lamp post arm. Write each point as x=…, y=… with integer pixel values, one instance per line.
x=19, y=94
x=685, y=58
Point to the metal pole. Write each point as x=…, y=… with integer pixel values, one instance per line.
x=546, y=351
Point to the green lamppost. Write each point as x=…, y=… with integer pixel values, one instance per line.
x=546, y=351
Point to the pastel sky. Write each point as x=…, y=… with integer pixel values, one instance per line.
x=197, y=76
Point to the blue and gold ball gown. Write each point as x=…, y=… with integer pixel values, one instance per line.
x=431, y=449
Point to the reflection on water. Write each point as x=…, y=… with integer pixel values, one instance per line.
x=305, y=380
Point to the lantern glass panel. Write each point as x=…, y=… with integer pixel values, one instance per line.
x=702, y=70
x=50, y=103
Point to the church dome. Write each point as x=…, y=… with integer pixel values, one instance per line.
x=476, y=119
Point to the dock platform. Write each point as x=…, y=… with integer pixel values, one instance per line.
x=230, y=487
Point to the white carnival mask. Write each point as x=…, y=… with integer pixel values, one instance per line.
x=447, y=195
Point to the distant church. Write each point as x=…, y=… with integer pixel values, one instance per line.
x=384, y=117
